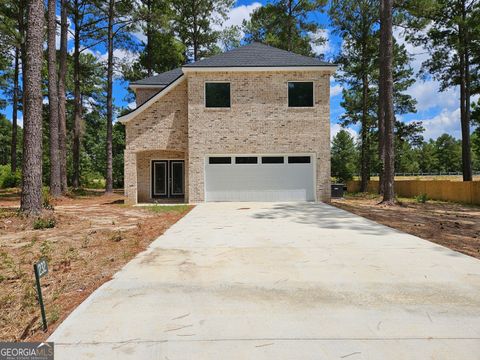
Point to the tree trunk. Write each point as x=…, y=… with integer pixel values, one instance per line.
x=13, y=154
x=77, y=104
x=148, y=46
x=55, y=189
x=109, y=178
x=381, y=110
x=387, y=74
x=365, y=160
x=290, y=25
x=465, y=98
x=62, y=111
x=31, y=198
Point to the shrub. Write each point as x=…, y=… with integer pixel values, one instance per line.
x=46, y=198
x=7, y=178
x=422, y=198
x=41, y=223
x=93, y=180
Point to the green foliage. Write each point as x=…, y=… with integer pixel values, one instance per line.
x=44, y=223
x=344, y=156
x=9, y=179
x=193, y=22
x=422, y=198
x=167, y=208
x=46, y=198
x=5, y=141
x=286, y=24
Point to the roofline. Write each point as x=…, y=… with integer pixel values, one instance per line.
x=146, y=86
x=127, y=117
x=328, y=68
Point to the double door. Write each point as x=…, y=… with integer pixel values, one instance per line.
x=168, y=178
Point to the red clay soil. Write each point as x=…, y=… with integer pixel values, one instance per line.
x=453, y=225
x=94, y=236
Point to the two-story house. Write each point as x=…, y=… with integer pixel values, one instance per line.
x=251, y=124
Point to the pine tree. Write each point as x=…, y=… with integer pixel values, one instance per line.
x=287, y=24
x=344, y=156
x=31, y=199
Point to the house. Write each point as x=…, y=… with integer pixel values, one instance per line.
x=250, y=124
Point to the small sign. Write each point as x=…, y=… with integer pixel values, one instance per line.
x=42, y=267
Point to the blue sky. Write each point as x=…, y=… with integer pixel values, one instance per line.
x=439, y=111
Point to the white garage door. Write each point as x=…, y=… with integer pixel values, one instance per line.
x=259, y=178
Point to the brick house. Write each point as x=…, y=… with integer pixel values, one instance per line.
x=251, y=124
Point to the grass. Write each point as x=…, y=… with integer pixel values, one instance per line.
x=158, y=209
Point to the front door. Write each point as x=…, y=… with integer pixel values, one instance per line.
x=168, y=178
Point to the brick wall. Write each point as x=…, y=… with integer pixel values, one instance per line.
x=163, y=126
x=259, y=121
x=142, y=95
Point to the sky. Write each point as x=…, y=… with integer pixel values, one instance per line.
x=438, y=111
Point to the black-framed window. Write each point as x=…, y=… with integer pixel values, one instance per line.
x=299, y=159
x=272, y=159
x=300, y=94
x=217, y=95
x=246, y=160
x=220, y=160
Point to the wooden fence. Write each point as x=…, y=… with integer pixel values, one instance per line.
x=458, y=191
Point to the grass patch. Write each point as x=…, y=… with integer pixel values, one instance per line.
x=40, y=223
x=160, y=209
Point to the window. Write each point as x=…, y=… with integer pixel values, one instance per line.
x=220, y=160
x=217, y=95
x=246, y=160
x=300, y=94
x=272, y=160
x=299, y=159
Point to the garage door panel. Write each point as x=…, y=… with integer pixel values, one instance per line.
x=259, y=182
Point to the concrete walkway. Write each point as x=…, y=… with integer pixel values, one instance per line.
x=281, y=281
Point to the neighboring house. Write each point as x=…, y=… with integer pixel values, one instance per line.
x=251, y=124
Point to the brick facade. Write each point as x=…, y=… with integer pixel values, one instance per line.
x=258, y=121
x=160, y=132
x=142, y=95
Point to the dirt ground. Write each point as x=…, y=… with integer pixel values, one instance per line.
x=93, y=237
x=453, y=225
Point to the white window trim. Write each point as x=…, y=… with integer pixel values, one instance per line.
x=205, y=94
x=313, y=94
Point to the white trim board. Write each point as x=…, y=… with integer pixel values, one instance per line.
x=126, y=118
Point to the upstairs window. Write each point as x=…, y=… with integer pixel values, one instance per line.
x=300, y=94
x=217, y=95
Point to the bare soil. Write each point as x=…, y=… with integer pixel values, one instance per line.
x=456, y=226
x=94, y=236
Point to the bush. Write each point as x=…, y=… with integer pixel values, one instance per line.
x=7, y=178
x=92, y=180
x=41, y=223
x=46, y=198
x=422, y=198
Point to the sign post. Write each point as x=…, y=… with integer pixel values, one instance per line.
x=41, y=269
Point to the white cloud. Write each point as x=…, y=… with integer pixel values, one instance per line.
x=236, y=16
x=335, y=128
x=335, y=90
x=69, y=33
x=429, y=96
x=448, y=121
x=321, y=49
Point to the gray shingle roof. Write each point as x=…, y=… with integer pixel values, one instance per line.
x=162, y=79
x=253, y=55
x=257, y=55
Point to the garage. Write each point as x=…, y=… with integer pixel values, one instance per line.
x=284, y=177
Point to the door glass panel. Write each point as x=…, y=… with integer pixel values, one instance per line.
x=160, y=178
x=177, y=178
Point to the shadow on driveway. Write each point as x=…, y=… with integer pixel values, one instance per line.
x=323, y=216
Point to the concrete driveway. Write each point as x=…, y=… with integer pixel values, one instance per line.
x=281, y=281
